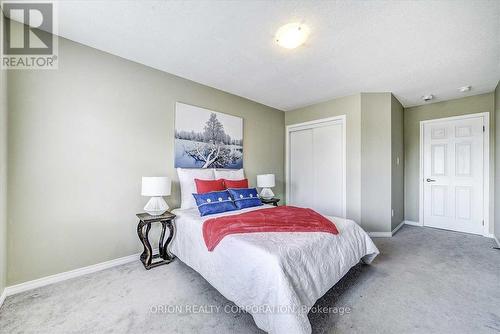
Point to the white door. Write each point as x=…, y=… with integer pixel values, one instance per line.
x=316, y=167
x=453, y=174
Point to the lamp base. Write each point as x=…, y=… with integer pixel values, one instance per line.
x=266, y=193
x=156, y=206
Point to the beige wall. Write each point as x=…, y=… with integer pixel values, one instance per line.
x=397, y=170
x=376, y=161
x=412, y=118
x=3, y=179
x=351, y=107
x=81, y=137
x=497, y=164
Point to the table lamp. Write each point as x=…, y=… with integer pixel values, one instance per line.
x=156, y=187
x=266, y=181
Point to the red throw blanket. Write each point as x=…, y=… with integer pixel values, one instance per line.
x=280, y=219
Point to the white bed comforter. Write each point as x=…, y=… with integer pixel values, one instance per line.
x=275, y=276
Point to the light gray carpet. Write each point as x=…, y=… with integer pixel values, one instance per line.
x=424, y=281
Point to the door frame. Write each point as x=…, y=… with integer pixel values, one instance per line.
x=310, y=125
x=486, y=166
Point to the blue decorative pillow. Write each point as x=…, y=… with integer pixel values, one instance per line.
x=214, y=202
x=245, y=197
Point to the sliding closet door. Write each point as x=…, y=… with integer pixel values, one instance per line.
x=316, y=167
x=301, y=168
x=328, y=170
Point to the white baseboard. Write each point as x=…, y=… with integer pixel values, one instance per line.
x=386, y=234
x=412, y=223
x=496, y=239
x=2, y=297
x=398, y=227
x=29, y=285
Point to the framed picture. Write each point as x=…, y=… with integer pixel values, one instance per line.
x=207, y=139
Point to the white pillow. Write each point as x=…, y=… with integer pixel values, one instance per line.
x=229, y=174
x=188, y=187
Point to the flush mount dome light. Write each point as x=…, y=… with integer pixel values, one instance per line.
x=292, y=35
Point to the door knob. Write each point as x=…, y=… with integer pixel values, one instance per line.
x=430, y=180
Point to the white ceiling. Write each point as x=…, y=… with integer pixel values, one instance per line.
x=410, y=48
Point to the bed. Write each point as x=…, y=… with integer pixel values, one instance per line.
x=275, y=276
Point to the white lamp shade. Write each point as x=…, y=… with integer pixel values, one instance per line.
x=156, y=186
x=265, y=181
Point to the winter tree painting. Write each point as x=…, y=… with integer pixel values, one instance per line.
x=207, y=139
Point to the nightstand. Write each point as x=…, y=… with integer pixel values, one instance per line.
x=273, y=201
x=148, y=259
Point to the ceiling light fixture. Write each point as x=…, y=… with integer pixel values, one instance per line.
x=464, y=89
x=292, y=35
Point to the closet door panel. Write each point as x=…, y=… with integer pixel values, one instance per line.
x=301, y=168
x=328, y=170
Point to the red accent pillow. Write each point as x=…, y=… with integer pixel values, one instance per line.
x=231, y=184
x=206, y=186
